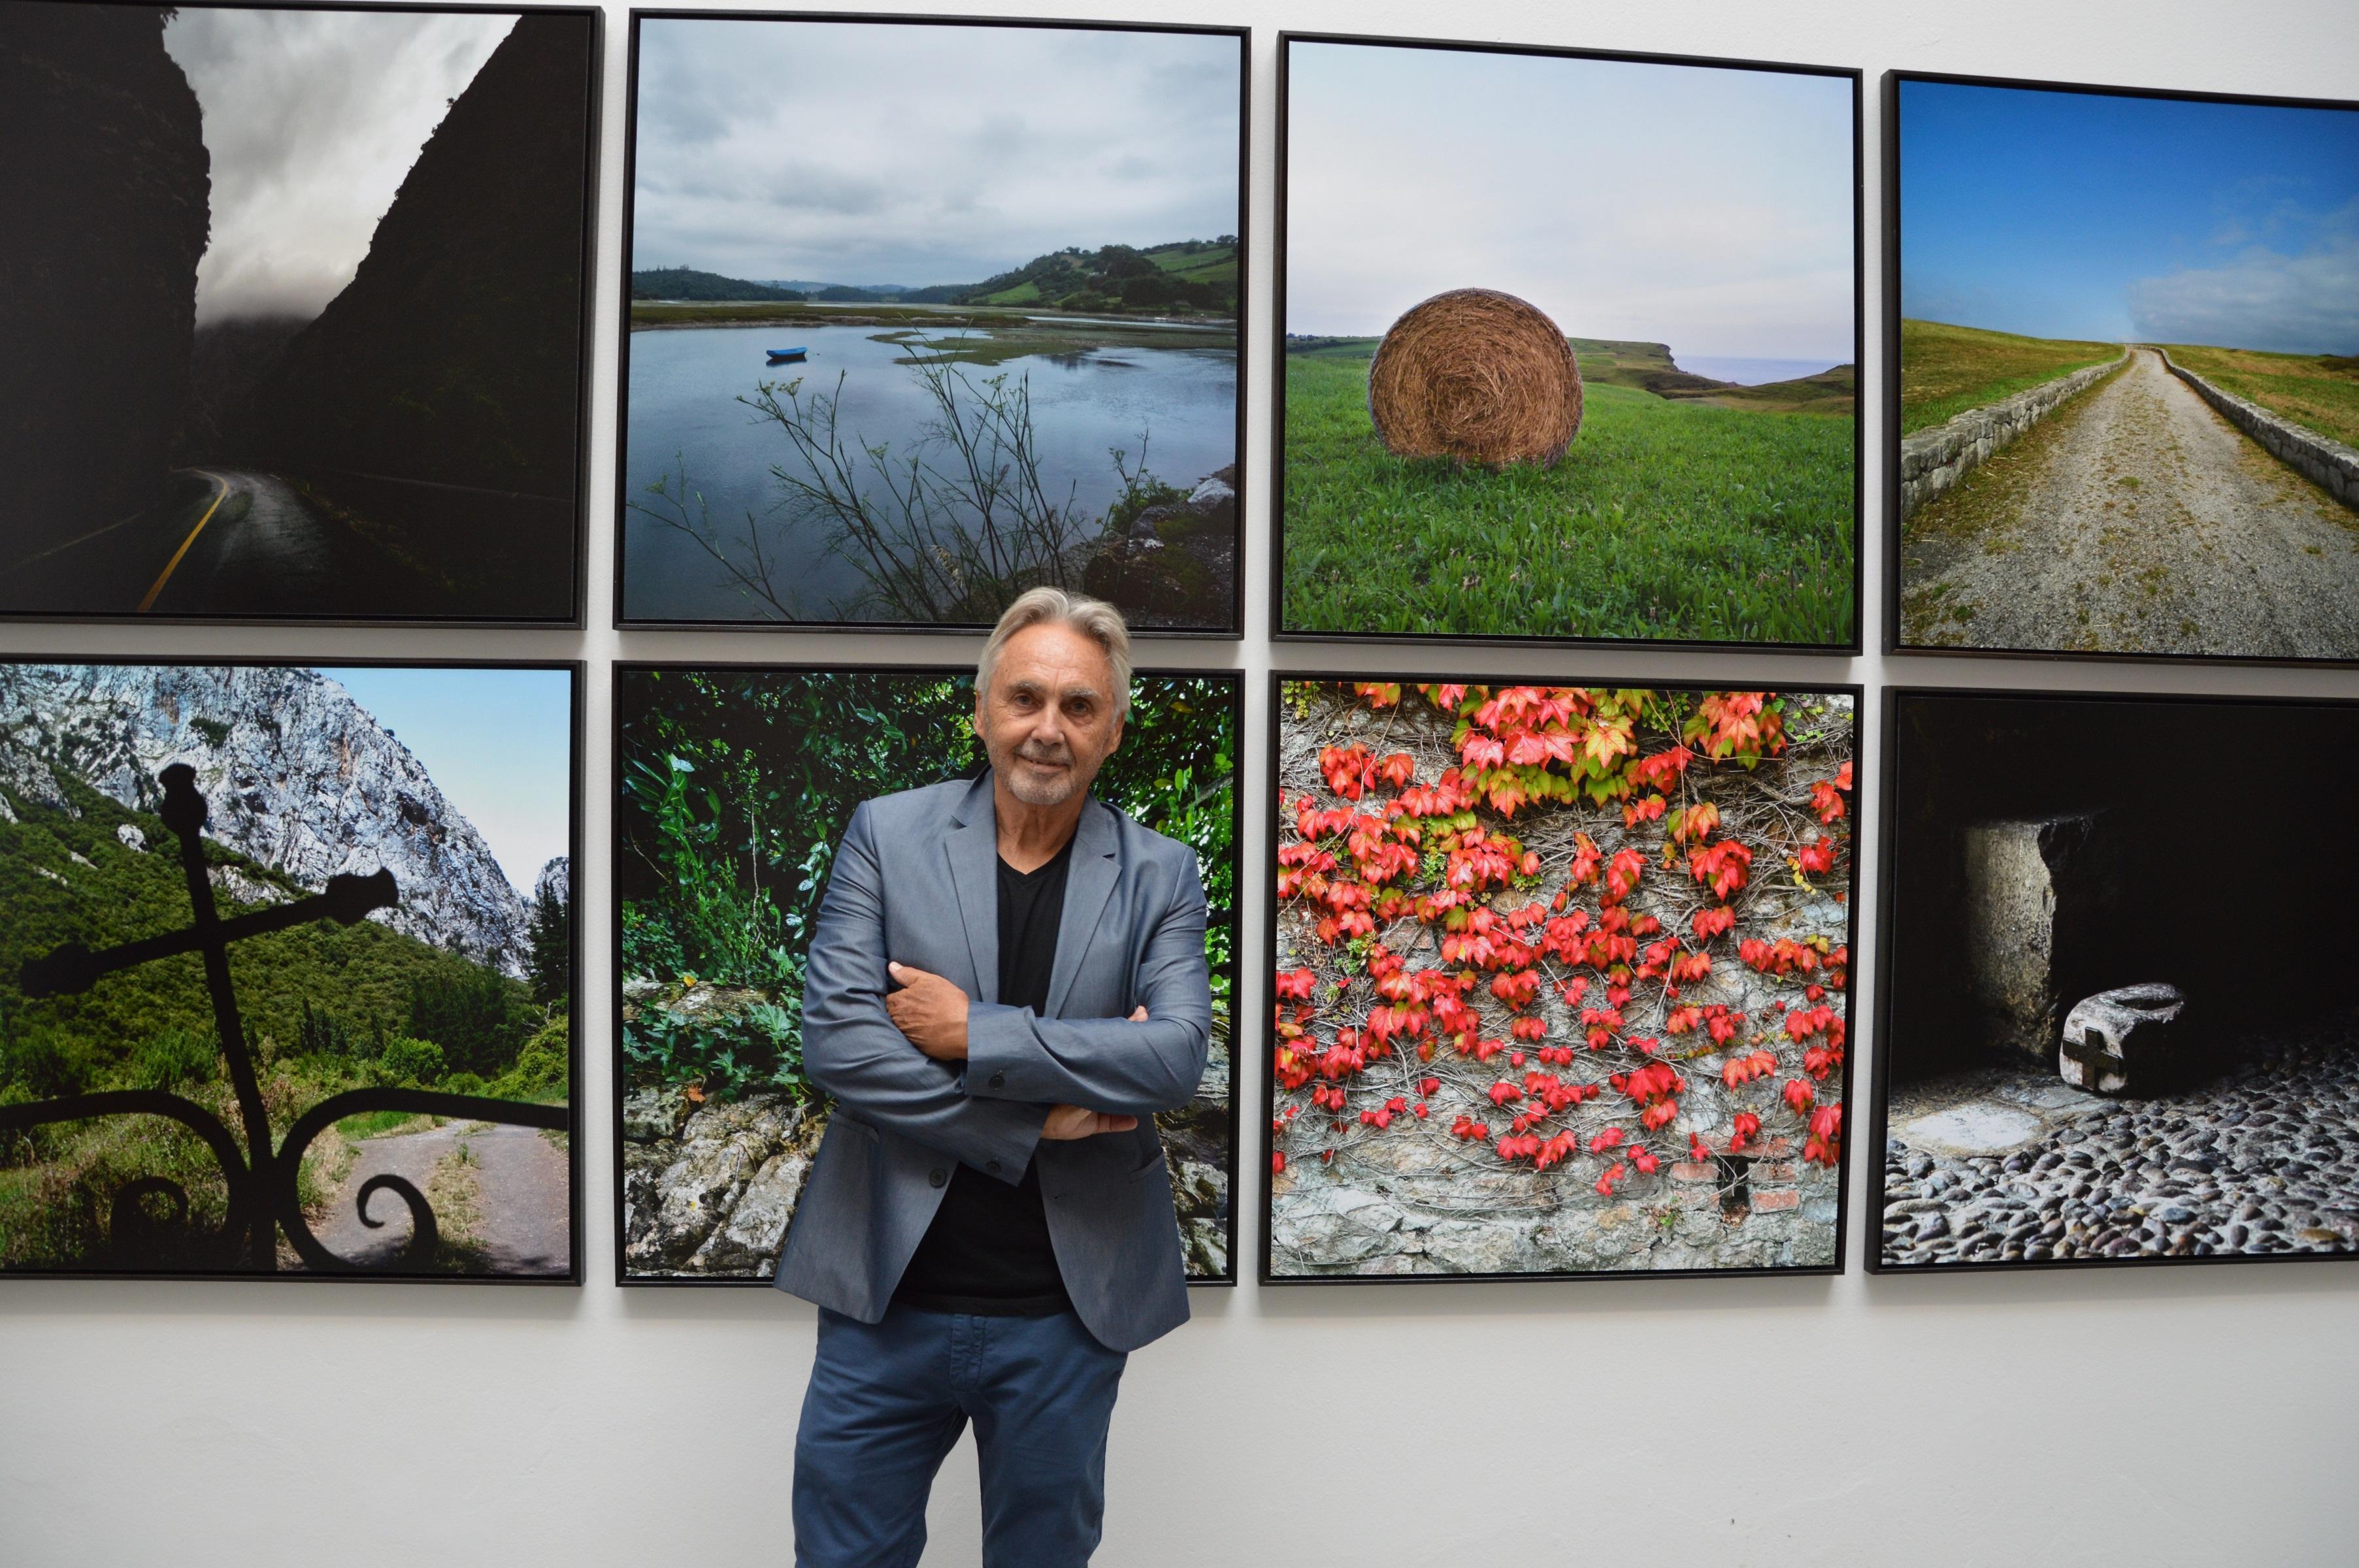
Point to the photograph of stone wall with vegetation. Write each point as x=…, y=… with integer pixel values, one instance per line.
x=733, y=787
x=898, y=352
x=2128, y=373
x=2112, y=1031
x=1562, y=979
x=1702, y=274
x=462, y=987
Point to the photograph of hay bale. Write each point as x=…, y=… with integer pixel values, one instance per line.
x=1568, y=346
x=734, y=785
x=286, y=970
x=292, y=312
x=2124, y=331
x=1561, y=979
x=902, y=343
x=2109, y=1032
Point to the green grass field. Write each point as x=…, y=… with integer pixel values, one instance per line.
x=1666, y=521
x=2318, y=391
x=1946, y=370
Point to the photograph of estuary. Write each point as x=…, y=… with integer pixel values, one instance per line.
x=897, y=352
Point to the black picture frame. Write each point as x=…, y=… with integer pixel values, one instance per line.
x=1271, y=909
x=1889, y=917
x=1235, y=631
x=628, y=1280
x=577, y=560
x=1282, y=632
x=577, y=672
x=1891, y=439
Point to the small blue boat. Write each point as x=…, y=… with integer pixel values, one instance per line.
x=784, y=356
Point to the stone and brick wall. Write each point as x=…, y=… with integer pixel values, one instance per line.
x=2327, y=463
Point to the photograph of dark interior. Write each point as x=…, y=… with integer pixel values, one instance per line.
x=2111, y=1031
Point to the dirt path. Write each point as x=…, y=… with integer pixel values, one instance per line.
x=523, y=1217
x=2135, y=520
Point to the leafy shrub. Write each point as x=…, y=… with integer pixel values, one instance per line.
x=174, y=1057
x=47, y=1062
x=409, y=1062
x=542, y=1069
x=759, y=1050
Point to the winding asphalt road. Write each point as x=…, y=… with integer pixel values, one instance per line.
x=524, y=1213
x=2136, y=520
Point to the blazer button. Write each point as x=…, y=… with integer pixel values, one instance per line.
x=938, y=1177
x=994, y=1167
x=999, y=1080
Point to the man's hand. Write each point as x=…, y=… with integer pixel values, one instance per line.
x=930, y=1011
x=1067, y=1122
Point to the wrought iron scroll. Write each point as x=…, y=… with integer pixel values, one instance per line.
x=260, y=1178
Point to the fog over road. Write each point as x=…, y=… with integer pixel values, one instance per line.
x=2136, y=520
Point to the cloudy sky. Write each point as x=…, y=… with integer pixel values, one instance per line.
x=884, y=153
x=497, y=744
x=312, y=119
x=2096, y=215
x=1707, y=209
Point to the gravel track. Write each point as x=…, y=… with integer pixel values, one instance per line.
x=523, y=1188
x=2135, y=520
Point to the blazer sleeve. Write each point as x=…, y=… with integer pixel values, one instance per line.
x=853, y=1049
x=1110, y=1064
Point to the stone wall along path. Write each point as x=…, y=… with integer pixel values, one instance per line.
x=2135, y=520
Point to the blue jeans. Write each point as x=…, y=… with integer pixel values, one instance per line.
x=888, y=1400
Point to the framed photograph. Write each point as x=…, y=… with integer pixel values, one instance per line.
x=1561, y=979
x=294, y=311
x=896, y=349
x=286, y=970
x=2122, y=372
x=733, y=784
x=1566, y=347
x=2103, y=1038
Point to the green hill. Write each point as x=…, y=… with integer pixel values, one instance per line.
x=1946, y=370
x=687, y=283
x=1189, y=275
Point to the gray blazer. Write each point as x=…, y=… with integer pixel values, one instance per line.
x=916, y=881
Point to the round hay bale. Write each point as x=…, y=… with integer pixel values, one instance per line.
x=1476, y=375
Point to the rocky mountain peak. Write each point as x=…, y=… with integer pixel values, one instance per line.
x=297, y=775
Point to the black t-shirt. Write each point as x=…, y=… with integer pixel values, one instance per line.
x=988, y=1250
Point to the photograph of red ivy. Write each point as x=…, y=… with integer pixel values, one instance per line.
x=1560, y=980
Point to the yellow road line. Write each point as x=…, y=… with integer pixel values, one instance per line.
x=172, y=565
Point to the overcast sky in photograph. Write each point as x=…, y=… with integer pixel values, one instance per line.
x=1707, y=209
x=2106, y=216
x=497, y=744
x=863, y=153
x=312, y=119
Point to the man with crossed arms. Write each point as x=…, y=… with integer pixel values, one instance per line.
x=1006, y=981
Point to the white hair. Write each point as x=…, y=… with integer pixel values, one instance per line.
x=1094, y=618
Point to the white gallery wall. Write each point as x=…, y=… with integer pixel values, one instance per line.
x=2156, y=1415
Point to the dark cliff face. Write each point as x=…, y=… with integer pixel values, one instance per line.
x=104, y=185
x=453, y=356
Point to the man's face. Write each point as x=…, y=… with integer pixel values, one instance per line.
x=1048, y=722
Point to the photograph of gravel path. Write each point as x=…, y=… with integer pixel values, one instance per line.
x=1562, y=981
x=2126, y=330
x=1688, y=230
x=733, y=784
x=2104, y=1037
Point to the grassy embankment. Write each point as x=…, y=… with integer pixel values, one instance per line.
x=326, y=1008
x=2318, y=392
x=1946, y=370
x=962, y=334
x=1714, y=515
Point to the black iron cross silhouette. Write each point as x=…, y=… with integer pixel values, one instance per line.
x=261, y=1177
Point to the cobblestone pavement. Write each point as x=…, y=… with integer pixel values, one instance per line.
x=2000, y=1166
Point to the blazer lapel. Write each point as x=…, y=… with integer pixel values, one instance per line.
x=972, y=845
x=1088, y=883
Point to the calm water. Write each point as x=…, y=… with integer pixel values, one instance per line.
x=683, y=384
x=1750, y=372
